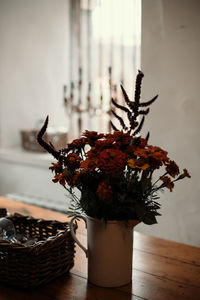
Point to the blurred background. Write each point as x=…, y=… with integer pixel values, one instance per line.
x=67, y=58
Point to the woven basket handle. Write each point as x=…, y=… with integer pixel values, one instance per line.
x=71, y=224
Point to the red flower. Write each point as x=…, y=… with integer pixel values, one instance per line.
x=100, y=144
x=104, y=191
x=172, y=168
x=112, y=161
x=120, y=138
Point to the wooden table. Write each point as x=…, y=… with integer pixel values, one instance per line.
x=161, y=269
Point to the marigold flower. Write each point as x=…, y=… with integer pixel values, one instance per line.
x=143, y=142
x=112, y=161
x=59, y=178
x=184, y=174
x=141, y=152
x=91, y=159
x=88, y=164
x=138, y=163
x=154, y=156
x=77, y=144
x=56, y=167
x=77, y=176
x=104, y=191
x=154, y=163
x=172, y=168
x=121, y=138
x=92, y=136
x=72, y=161
x=158, y=153
x=167, y=182
x=65, y=176
x=104, y=143
x=130, y=150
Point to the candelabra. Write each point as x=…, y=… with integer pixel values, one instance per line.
x=81, y=103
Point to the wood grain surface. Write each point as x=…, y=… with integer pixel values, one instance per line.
x=162, y=270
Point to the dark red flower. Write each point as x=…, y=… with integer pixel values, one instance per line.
x=112, y=161
x=172, y=168
x=143, y=142
x=92, y=135
x=120, y=138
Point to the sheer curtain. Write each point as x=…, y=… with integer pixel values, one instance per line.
x=104, y=53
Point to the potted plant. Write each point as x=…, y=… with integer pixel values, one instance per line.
x=114, y=173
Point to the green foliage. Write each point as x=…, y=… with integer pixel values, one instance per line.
x=131, y=200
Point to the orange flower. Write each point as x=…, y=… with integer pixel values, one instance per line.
x=73, y=160
x=56, y=167
x=158, y=153
x=91, y=160
x=65, y=176
x=138, y=163
x=154, y=156
x=104, y=191
x=142, y=152
x=112, y=161
x=88, y=164
x=167, y=182
x=59, y=178
x=184, y=174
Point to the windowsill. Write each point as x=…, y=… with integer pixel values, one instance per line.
x=20, y=156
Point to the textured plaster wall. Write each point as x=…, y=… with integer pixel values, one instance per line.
x=171, y=64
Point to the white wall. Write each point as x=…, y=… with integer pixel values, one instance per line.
x=171, y=64
x=33, y=69
x=34, y=64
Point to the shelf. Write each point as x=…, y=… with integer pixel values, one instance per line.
x=18, y=155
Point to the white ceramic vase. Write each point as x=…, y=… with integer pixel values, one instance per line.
x=109, y=251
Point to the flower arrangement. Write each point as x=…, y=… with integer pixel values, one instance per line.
x=114, y=171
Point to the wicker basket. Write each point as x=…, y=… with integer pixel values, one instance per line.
x=29, y=140
x=30, y=266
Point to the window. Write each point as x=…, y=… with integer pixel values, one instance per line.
x=105, y=52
